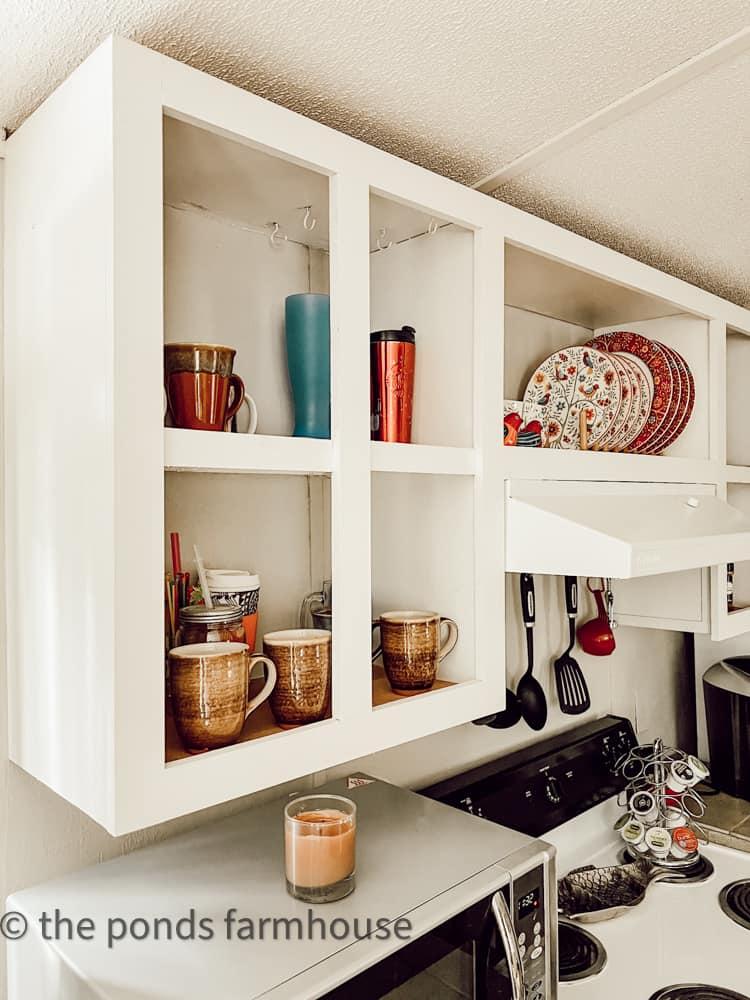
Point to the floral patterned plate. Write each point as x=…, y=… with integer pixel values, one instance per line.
x=612, y=440
x=663, y=377
x=566, y=382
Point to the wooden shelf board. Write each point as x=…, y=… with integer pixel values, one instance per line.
x=260, y=725
x=215, y=451
x=382, y=693
x=555, y=463
x=422, y=458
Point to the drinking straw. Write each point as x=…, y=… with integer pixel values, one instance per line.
x=170, y=607
x=174, y=539
x=203, y=578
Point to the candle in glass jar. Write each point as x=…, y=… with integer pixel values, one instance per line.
x=320, y=838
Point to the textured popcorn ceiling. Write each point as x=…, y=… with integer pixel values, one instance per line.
x=669, y=184
x=460, y=87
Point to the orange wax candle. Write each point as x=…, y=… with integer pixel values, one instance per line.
x=320, y=845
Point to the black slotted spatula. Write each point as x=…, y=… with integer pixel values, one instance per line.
x=572, y=690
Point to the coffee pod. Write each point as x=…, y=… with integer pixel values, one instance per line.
x=643, y=807
x=681, y=776
x=634, y=834
x=698, y=768
x=621, y=822
x=659, y=841
x=674, y=818
x=684, y=842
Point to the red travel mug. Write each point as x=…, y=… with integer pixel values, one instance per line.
x=392, y=384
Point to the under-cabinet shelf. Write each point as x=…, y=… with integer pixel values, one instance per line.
x=212, y=451
x=556, y=463
x=425, y=458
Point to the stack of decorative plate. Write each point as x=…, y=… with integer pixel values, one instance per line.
x=636, y=394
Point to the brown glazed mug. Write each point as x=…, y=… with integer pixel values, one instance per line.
x=202, y=392
x=303, y=666
x=410, y=642
x=209, y=684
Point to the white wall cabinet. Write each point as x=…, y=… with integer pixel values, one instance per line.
x=141, y=198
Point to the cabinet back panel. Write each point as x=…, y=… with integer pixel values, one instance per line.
x=276, y=526
x=423, y=554
x=428, y=283
x=225, y=284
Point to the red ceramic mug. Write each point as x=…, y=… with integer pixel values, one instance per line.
x=202, y=392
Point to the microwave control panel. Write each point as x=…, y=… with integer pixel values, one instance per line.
x=529, y=919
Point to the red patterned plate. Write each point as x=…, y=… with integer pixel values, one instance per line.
x=687, y=401
x=661, y=373
x=679, y=397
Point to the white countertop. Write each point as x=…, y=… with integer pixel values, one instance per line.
x=409, y=850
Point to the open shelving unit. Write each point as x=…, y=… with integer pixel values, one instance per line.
x=191, y=198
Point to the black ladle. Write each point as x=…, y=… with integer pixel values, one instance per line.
x=530, y=693
x=510, y=715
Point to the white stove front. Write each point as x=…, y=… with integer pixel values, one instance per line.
x=678, y=934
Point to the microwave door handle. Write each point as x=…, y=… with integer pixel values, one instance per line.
x=510, y=944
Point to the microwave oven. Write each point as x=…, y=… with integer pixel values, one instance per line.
x=502, y=946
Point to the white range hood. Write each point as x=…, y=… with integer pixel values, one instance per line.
x=620, y=530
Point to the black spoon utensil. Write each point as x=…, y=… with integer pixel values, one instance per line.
x=530, y=693
x=510, y=715
x=572, y=690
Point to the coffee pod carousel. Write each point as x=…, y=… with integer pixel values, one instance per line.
x=663, y=807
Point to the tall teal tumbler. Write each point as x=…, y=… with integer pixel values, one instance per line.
x=308, y=351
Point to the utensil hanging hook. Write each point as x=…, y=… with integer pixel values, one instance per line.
x=276, y=236
x=306, y=222
x=432, y=227
x=381, y=236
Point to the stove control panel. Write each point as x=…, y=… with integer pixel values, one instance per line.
x=542, y=786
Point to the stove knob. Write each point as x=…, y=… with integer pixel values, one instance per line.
x=610, y=755
x=553, y=791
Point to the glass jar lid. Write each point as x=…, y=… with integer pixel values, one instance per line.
x=199, y=614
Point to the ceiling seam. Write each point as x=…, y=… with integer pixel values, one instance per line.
x=673, y=79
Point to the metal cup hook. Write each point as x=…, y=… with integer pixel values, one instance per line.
x=381, y=236
x=276, y=237
x=432, y=227
x=306, y=222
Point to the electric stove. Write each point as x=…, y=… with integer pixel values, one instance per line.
x=690, y=937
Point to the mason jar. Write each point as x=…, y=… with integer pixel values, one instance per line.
x=221, y=623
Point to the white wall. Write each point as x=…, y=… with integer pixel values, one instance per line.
x=42, y=836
